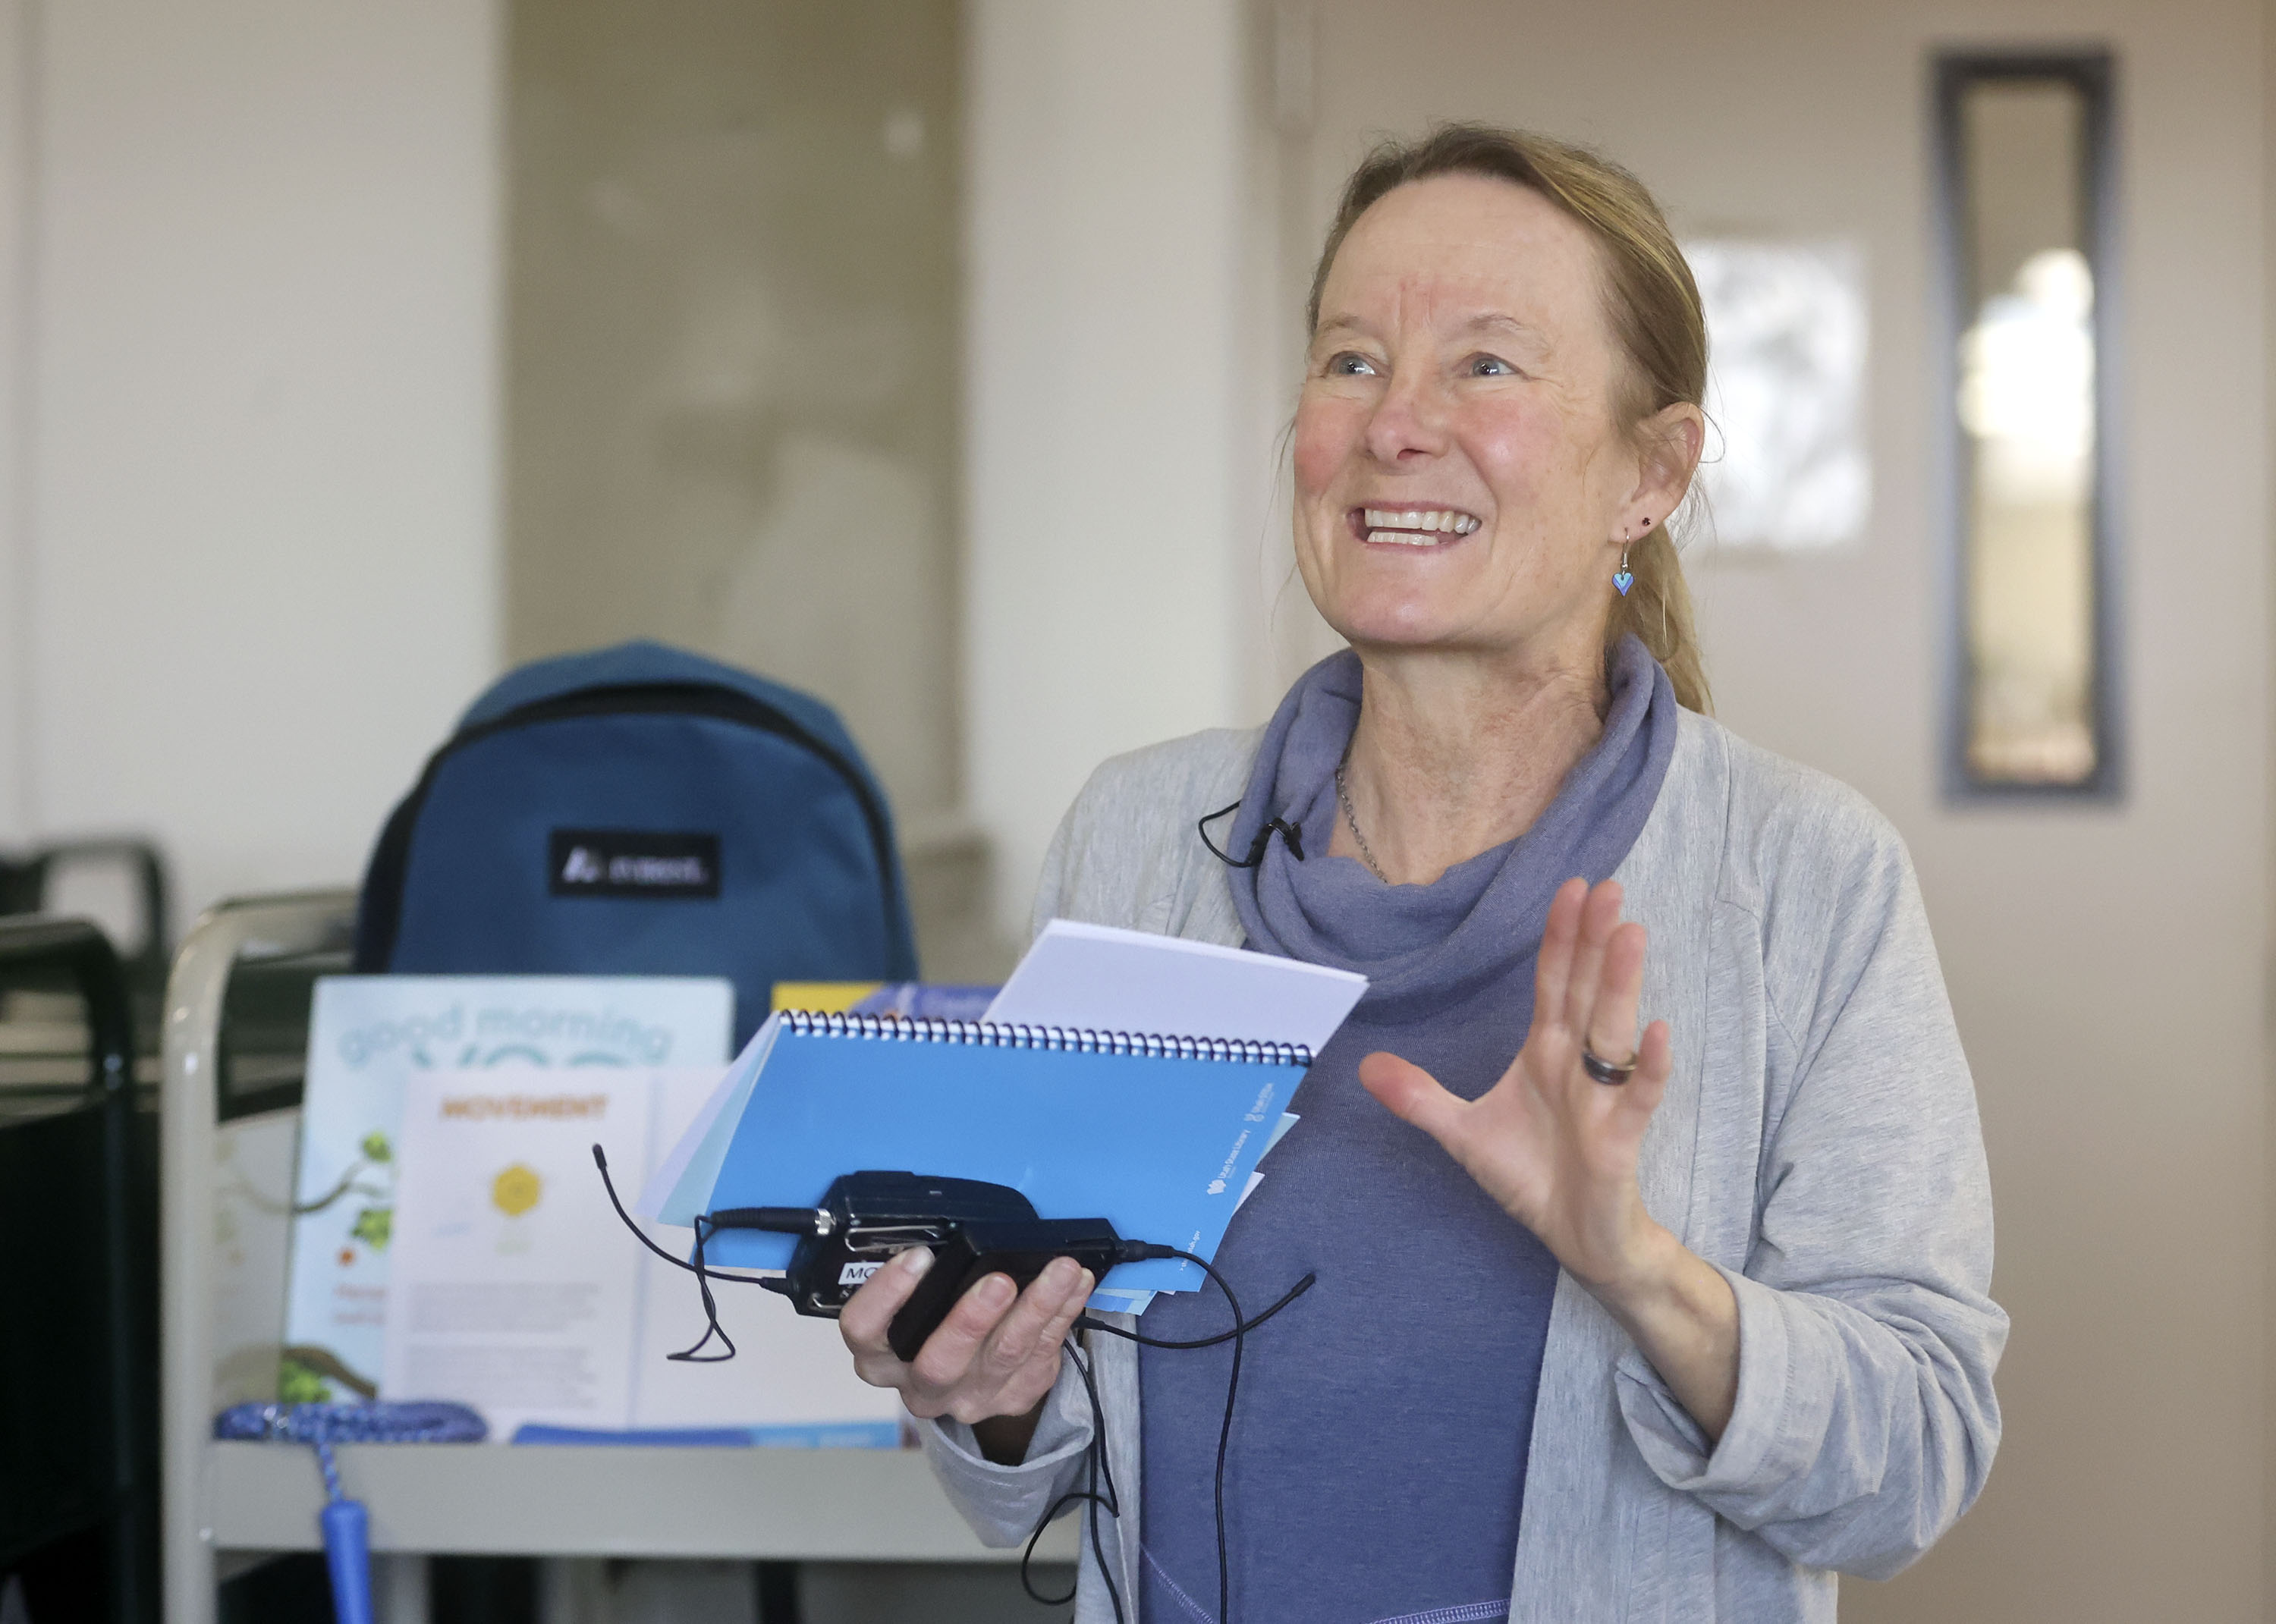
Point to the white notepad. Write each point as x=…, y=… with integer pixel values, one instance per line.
x=1099, y=978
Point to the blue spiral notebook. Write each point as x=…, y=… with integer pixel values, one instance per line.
x=1156, y=1135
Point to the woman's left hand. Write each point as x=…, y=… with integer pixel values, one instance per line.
x=1558, y=1149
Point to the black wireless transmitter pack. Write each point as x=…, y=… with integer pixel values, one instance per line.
x=974, y=1229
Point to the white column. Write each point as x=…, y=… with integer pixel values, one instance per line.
x=1109, y=438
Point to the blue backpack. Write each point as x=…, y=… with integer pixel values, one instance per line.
x=641, y=811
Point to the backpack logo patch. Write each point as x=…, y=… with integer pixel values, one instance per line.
x=658, y=865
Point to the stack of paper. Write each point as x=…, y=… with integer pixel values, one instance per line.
x=1127, y=981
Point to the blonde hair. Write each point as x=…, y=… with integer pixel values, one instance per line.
x=1652, y=303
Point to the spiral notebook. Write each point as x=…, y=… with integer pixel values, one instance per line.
x=1158, y=1134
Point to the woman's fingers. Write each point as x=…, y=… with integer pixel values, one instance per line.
x=997, y=1341
x=1078, y=1298
x=1610, y=1029
x=869, y=1311
x=1553, y=967
x=1412, y=1095
x=1033, y=1374
x=1628, y=1109
x=1655, y=1065
x=1028, y=1325
x=1020, y=1360
x=996, y=1353
x=948, y=1353
x=1600, y=918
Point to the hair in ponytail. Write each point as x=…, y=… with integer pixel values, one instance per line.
x=1653, y=302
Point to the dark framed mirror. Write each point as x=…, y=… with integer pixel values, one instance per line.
x=2025, y=216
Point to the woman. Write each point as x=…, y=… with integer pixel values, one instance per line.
x=1675, y=1324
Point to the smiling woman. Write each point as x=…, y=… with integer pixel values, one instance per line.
x=1649, y=299
x=1684, y=1319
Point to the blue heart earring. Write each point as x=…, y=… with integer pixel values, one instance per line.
x=1621, y=578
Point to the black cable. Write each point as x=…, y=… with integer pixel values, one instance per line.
x=1100, y=1493
x=711, y=1326
x=1102, y=1472
x=703, y=1277
x=1240, y=1329
x=1088, y=1323
x=1134, y=1251
x=1224, y=1434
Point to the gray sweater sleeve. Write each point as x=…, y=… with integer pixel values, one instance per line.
x=1003, y=1503
x=1865, y=1422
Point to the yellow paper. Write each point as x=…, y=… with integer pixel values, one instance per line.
x=826, y=997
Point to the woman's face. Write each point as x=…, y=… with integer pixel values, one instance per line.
x=1462, y=483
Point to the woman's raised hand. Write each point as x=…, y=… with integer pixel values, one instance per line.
x=993, y=1358
x=1556, y=1147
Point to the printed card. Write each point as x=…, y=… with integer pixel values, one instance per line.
x=369, y=1036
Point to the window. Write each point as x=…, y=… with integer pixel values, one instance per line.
x=1785, y=467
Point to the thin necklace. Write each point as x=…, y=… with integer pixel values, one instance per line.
x=1350, y=818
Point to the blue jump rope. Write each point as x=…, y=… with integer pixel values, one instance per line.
x=347, y=1530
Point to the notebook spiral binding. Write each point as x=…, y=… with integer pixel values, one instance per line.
x=1074, y=1040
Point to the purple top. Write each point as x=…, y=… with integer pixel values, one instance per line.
x=1377, y=1461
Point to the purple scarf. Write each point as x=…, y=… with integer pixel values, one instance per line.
x=1378, y=1465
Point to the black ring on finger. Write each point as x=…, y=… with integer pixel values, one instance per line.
x=1602, y=1070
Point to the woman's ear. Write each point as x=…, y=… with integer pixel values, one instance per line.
x=1672, y=440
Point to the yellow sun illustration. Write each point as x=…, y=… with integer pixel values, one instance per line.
x=516, y=1190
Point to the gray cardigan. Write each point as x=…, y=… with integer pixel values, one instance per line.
x=1819, y=1144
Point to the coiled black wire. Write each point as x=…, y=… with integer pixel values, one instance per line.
x=703, y=1276
x=1099, y=1490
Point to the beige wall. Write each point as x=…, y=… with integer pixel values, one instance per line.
x=2106, y=964
x=248, y=537
x=734, y=396
x=733, y=337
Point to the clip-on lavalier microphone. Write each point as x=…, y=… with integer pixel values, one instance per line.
x=1288, y=831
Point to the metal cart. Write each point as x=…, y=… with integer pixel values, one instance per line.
x=231, y=1049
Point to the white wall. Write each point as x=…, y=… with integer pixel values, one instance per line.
x=18, y=115
x=1108, y=432
x=2106, y=964
x=257, y=568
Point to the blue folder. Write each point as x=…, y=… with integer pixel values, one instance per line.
x=1156, y=1135
x=799, y=1435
